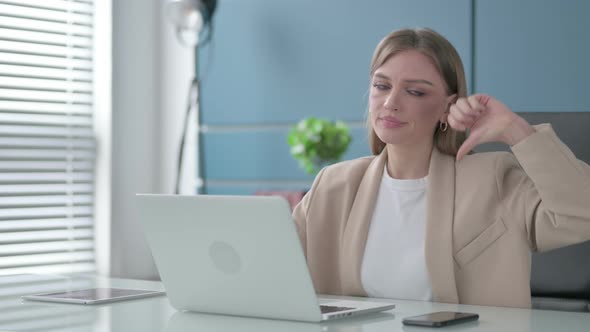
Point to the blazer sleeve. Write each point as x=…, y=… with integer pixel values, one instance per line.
x=301, y=211
x=548, y=189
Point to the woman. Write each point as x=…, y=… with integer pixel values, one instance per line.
x=425, y=219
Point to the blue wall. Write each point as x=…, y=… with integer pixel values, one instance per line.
x=533, y=54
x=274, y=62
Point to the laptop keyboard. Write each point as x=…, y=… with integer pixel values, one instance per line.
x=326, y=309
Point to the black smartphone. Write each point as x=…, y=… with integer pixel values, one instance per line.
x=441, y=318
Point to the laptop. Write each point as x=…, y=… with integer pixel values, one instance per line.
x=236, y=255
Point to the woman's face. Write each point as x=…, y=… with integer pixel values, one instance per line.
x=407, y=99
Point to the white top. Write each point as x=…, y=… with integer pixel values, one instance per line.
x=394, y=265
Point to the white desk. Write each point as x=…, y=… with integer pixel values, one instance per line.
x=156, y=314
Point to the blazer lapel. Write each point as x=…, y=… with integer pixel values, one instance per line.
x=439, y=227
x=356, y=229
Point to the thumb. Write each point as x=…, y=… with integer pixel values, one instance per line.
x=468, y=145
x=483, y=98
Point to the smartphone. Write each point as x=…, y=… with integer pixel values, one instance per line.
x=441, y=318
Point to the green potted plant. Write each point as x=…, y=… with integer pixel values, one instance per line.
x=316, y=143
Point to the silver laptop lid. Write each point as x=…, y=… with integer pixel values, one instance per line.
x=237, y=255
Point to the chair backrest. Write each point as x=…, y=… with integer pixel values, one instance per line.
x=565, y=272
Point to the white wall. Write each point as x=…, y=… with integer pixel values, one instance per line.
x=151, y=72
x=103, y=132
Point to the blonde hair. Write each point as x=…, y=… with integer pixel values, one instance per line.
x=447, y=61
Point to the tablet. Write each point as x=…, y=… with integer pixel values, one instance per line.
x=94, y=295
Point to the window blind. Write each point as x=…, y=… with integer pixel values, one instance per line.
x=47, y=145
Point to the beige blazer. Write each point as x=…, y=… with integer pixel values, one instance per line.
x=486, y=213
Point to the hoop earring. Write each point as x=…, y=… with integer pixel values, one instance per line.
x=443, y=126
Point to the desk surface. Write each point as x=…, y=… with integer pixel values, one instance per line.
x=156, y=314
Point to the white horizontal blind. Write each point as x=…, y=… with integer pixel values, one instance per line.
x=47, y=148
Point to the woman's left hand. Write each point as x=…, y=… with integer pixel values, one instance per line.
x=488, y=120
